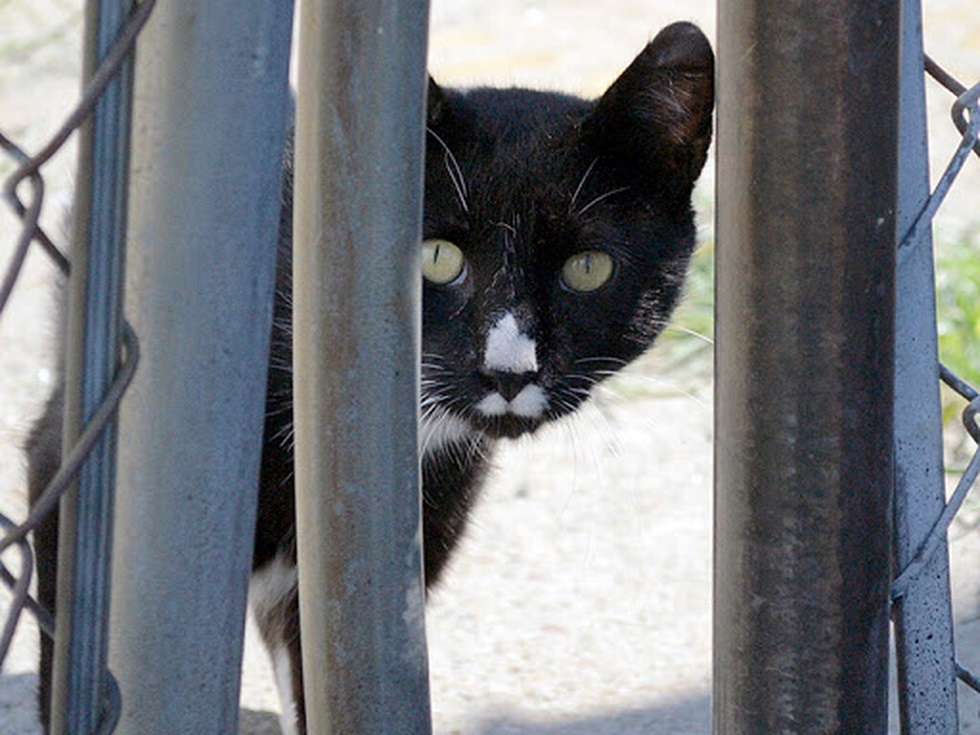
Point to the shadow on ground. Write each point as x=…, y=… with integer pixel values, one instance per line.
x=18, y=712
x=689, y=716
x=253, y=722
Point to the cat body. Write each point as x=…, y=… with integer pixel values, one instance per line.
x=557, y=233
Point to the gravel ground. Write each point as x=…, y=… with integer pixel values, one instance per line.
x=580, y=602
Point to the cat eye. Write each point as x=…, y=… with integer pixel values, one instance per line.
x=442, y=262
x=587, y=271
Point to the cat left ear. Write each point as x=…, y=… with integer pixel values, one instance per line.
x=659, y=110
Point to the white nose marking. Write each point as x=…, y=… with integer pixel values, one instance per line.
x=508, y=349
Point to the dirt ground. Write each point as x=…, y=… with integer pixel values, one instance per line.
x=580, y=603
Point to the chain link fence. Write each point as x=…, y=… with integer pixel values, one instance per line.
x=966, y=116
x=925, y=638
x=24, y=192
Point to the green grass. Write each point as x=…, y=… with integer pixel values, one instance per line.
x=958, y=307
x=689, y=339
x=958, y=321
x=686, y=344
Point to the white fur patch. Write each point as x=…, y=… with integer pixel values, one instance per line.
x=284, y=683
x=530, y=403
x=508, y=349
x=493, y=404
x=268, y=589
x=271, y=585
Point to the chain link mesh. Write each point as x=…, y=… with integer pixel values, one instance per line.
x=966, y=117
x=24, y=192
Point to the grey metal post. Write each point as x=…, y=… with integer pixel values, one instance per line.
x=80, y=687
x=807, y=142
x=357, y=221
x=208, y=129
x=922, y=615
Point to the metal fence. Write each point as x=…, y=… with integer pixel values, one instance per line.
x=92, y=699
x=828, y=453
x=919, y=593
x=184, y=510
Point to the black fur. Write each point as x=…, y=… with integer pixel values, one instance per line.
x=520, y=181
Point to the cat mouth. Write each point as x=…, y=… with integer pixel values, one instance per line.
x=510, y=416
x=508, y=426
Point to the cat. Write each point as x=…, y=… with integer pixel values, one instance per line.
x=556, y=237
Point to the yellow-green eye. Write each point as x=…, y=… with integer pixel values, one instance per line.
x=587, y=271
x=442, y=262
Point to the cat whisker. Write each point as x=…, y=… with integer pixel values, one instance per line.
x=453, y=169
x=602, y=197
x=603, y=428
x=582, y=446
x=286, y=436
x=431, y=419
x=607, y=360
x=578, y=189
x=684, y=330
x=508, y=227
x=434, y=400
x=662, y=385
x=280, y=409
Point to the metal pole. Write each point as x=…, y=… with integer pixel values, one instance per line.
x=922, y=615
x=359, y=157
x=80, y=688
x=807, y=143
x=209, y=127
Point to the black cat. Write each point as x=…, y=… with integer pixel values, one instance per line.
x=557, y=232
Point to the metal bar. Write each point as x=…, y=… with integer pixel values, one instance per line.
x=81, y=687
x=209, y=127
x=807, y=145
x=359, y=157
x=922, y=615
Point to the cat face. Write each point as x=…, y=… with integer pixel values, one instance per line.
x=556, y=236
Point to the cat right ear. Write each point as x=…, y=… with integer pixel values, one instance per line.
x=433, y=102
x=659, y=110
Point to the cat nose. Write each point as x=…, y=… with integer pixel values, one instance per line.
x=506, y=383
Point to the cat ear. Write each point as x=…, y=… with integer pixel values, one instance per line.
x=433, y=102
x=659, y=110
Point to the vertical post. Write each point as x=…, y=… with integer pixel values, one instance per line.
x=79, y=692
x=359, y=162
x=209, y=127
x=807, y=144
x=922, y=616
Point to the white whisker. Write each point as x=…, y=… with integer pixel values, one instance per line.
x=578, y=189
x=454, y=171
x=602, y=197
x=684, y=330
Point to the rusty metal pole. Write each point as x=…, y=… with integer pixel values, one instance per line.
x=357, y=224
x=807, y=145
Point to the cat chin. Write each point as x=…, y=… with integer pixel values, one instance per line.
x=507, y=427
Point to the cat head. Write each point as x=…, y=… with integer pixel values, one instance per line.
x=557, y=232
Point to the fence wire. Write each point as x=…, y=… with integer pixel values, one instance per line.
x=966, y=117
x=24, y=192
x=27, y=205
